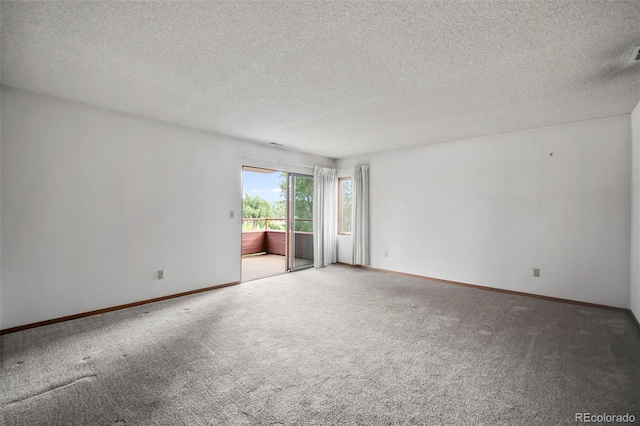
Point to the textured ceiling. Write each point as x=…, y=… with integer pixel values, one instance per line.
x=332, y=78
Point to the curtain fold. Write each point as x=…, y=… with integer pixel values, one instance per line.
x=325, y=193
x=360, y=215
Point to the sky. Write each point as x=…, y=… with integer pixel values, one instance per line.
x=266, y=186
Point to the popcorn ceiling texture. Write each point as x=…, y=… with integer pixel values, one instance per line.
x=332, y=78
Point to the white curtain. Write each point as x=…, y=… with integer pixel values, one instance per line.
x=325, y=193
x=360, y=215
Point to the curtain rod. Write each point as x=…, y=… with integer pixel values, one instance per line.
x=275, y=161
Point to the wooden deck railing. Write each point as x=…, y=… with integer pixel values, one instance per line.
x=261, y=239
x=262, y=223
x=255, y=225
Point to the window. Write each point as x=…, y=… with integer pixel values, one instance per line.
x=344, y=206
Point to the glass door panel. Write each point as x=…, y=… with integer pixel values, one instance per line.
x=300, y=221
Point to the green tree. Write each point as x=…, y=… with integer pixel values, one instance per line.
x=346, y=205
x=279, y=208
x=256, y=207
x=303, y=201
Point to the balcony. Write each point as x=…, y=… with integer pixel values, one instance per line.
x=264, y=247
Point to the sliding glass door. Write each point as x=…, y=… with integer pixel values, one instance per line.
x=277, y=225
x=300, y=200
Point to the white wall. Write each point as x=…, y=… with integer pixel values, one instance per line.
x=94, y=202
x=487, y=211
x=635, y=215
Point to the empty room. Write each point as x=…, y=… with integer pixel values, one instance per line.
x=319, y=213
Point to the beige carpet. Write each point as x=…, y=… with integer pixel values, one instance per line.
x=331, y=346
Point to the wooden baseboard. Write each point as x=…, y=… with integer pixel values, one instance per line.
x=112, y=308
x=370, y=268
x=500, y=290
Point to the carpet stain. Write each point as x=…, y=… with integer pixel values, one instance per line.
x=53, y=388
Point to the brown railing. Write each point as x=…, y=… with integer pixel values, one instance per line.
x=261, y=223
x=257, y=224
x=261, y=239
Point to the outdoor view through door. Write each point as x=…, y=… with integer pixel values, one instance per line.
x=277, y=227
x=301, y=223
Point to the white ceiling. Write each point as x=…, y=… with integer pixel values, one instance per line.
x=332, y=78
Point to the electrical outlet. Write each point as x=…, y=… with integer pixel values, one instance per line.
x=161, y=274
x=536, y=272
x=232, y=214
x=386, y=254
